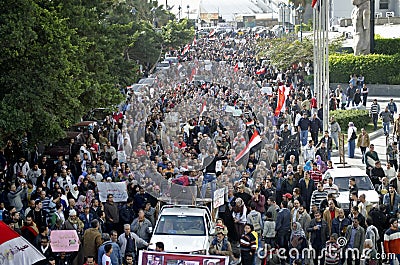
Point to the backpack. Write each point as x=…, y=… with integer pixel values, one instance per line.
x=353, y=135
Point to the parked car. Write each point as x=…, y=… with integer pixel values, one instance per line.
x=147, y=81
x=163, y=66
x=172, y=60
x=98, y=115
x=341, y=178
x=184, y=229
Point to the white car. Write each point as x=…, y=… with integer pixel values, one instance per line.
x=184, y=229
x=341, y=178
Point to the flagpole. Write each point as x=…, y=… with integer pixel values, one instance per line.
x=327, y=90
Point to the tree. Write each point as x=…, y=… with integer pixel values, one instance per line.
x=287, y=51
x=38, y=89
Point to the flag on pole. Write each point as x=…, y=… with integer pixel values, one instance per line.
x=236, y=68
x=194, y=42
x=193, y=73
x=16, y=249
x=186, y=49
x=281, y=100
x=261, y=71
x=250, y=123
x=315, y=3
x=212, y=32
x=203, y=108
x=254, y=140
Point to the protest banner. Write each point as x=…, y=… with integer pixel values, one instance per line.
x=64, y=241
x=219, y=198
x=118, y=190
x=161, y=258
x=266, y=90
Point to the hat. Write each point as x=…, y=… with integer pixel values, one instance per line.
x=84, y=173
x=351, y=123
x=72, y=212
x=287, y=195
x=109, y=178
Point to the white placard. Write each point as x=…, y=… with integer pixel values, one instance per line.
x=118, y=190
x=219, y=198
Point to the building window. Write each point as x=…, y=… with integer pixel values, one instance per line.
x=383, y=4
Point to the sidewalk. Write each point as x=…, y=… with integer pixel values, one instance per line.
x=377, y=138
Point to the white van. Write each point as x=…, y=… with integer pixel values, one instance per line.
x=184, y=229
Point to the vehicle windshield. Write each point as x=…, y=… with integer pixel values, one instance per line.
x=181, y=225
x=363, y=183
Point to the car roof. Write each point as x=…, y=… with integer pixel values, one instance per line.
x=84, y=123
x=183, y=210
x=345, y=172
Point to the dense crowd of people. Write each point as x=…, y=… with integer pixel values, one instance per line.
x=190, y=128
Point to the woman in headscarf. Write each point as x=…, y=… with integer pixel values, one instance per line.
x=320, y=164
x=81, y=203
x=73, y=193
x=297, y=241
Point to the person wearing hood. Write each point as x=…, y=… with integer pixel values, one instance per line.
x=73, y=223
x=73, y=192
x=320, y=164
x=297, y=240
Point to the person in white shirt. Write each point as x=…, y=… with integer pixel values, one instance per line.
x=331, y=187
x=309, y=151
x=351, y=140
x=390, y=172
x=106, y=260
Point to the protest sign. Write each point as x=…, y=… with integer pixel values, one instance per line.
x=64, y=241
x=118, y=190
x=157, y=258
x=219, y=198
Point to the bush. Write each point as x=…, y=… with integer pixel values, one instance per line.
x=377, y=68
x=360, y=118
x=386, y=46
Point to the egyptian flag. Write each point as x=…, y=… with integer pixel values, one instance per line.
x=261, y=71
x=193, y=73
x=194, y=42
x=281, y=100
x=236, y=68
x=186, y=49
x=203, y=108
x=315, y=4
x=16, y=249
x=250, y=123
x=254, y=141
x=212, y=33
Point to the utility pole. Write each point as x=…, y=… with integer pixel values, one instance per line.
x=321, y=57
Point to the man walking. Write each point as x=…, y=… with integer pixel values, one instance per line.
x=392, y=240
x=355, y=236
x=319, y=234
x=374, y=112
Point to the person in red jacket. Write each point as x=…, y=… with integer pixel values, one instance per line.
x=392, y=240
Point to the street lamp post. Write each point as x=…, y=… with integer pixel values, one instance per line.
x=188, y=11
x=283, y=7
x=179, y=12
x=300, y=10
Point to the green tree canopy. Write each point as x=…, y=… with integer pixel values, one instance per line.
x=61, y=58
